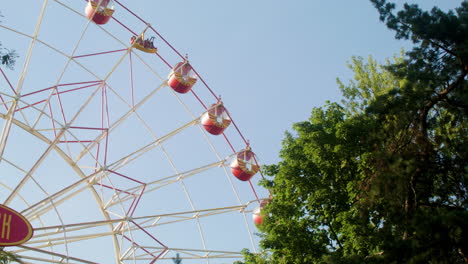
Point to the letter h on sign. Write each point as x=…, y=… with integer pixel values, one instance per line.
x=6, y=226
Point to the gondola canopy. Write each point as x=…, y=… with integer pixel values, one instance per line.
x=145, y=45
x=216, y=119
x=100, y=11
x=244, y=166
x=182, y=77
x=257, y=215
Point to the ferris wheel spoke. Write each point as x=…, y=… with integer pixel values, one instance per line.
x=146, y=255
x=165, y=219
x=115, y=38
x=48, y=150
x=75, y=227
x=187, y=194
x=55, y=92
x=213, y=148
x=140, y=221
x=157, y=184
x=102, y=154
x=25, y=118
x=205, y=253
x=6, y=104
x=69, y=59
x=234, y=189
x=184, y=188
x=51, y=202
x=11, y=111
x=119, y=121
x=74, y=189
x=52, y=241
x=190, y=254
x=65, y=67
x=53, y=234
x=53, y=237
x=80, y=14
x=148, y=66
x=54, y=200
x=129, y=48
x=45, y=102
x=54, y=257
x=155, y=143
x=7, y=127
x=117, y=198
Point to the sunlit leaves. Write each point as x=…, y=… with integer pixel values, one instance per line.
x=381, y=178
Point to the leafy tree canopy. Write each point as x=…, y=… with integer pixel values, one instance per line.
x=8, y=257
x=7, y=56
x=381, y=177
x=177, y=259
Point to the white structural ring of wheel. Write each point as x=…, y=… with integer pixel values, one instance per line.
x=108, y=163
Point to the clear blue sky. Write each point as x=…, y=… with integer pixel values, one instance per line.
x=271, y=61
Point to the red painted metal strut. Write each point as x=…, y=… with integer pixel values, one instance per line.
x=99, y=53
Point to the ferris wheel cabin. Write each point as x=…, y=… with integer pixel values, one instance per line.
x=145, y=45
x=182, y=77
x=257, y=213
x=216, y=119
x=244, y=166
x=100, y=11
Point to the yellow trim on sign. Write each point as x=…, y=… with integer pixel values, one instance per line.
x=28, y=225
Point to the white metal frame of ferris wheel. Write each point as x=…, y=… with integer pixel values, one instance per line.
x=121, y=227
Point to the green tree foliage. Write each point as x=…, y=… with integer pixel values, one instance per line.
x=177, y=259
x=7, y=56
x=8, y=257
x=382, y=177
x=250, y=258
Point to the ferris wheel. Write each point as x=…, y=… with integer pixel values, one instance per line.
x=113, y=147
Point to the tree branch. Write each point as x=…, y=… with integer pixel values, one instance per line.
x=456, y=103
x=443, y=94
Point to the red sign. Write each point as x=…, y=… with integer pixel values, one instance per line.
x=14, y=228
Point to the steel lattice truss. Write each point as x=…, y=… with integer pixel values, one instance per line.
x=106, y=162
